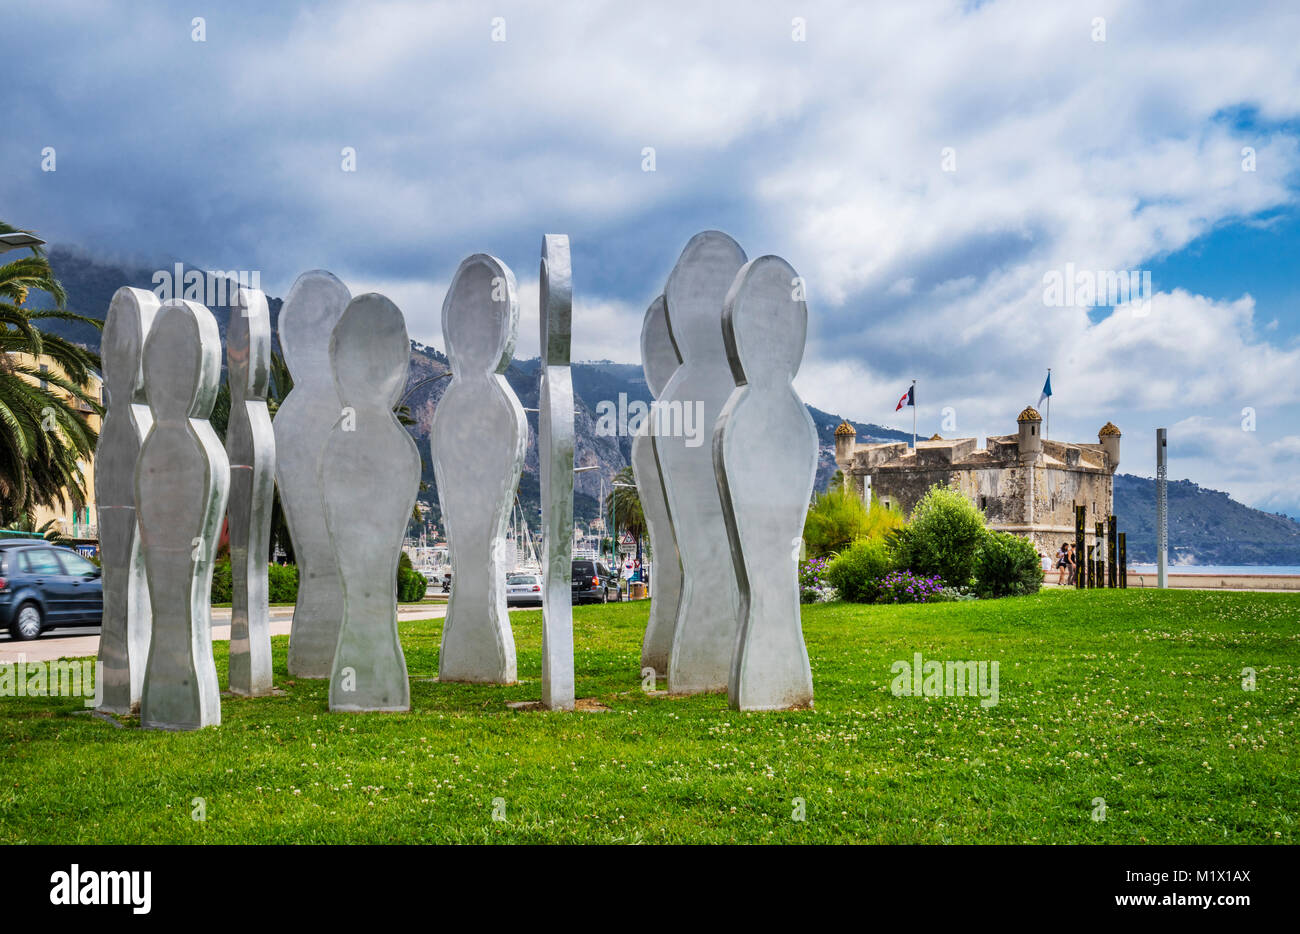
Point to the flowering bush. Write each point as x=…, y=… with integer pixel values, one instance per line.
x=906, y=587
x=856, y=571
x=943, y=538
x=813, y=585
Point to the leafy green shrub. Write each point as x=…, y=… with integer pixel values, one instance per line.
x=1008, y=565
x=857, y=571
x=221, y=585
x=282, y=583
x=281, y=580
x=835, y=520
x=883, y=521
x=411, y=585
x=943, y=538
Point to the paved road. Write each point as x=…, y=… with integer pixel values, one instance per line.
x=80, y=641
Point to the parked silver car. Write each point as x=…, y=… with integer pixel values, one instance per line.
x=524, y=590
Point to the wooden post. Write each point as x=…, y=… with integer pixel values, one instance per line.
x=1099, y=554
x=1091, y=568
x=1112, y=552
x=1123, y=560
x=1080, y=517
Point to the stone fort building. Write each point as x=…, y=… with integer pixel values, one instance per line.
x=1023, y=483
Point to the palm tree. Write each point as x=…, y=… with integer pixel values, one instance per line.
x=43, y=431
x=625, y=503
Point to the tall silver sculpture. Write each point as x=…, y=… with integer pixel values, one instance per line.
x=765, y=456
x=124, y=635
x=250, y=447
x=478, y=438
x=659, y=361
x=707, y=620
x=302, y=423
x=370, y=476
x=555, y=458
x=182, y=481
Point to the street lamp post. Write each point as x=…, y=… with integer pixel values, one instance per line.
x=19, y=240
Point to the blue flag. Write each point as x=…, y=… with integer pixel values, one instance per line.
x=1047, y=389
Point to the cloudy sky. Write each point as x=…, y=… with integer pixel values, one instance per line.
x=927, y=167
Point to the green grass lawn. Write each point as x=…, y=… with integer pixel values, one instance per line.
x=1131, y=696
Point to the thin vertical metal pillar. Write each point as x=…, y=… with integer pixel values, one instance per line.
x=1162, y=509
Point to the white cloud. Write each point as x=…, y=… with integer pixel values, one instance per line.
x=1107, y=155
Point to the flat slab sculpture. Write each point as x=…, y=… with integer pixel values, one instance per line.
x=250, y=447
x=124, y=635
x=478, y=438
x=765, y=455
x=659, y=361
x=555, y=440
x=370, y=477
x=182, y=481
x=302, y=423
x=707, y=620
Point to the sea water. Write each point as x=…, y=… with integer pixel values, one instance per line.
x=1280, y=570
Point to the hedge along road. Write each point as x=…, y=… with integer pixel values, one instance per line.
x=83, y=641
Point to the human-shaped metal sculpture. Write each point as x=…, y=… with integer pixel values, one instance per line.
x=659, y=361
x=250, y=447
x=707, y=619
x=124, y=635
x=302, y=423
x=555, y=440
x=478, y=436
x=182, y=481
x=765, y=454
x=370, y=476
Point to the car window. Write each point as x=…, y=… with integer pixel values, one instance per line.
x=75, y=564
x=40, y=561
x=521, y=579
x=602, y=570
x=583, y=568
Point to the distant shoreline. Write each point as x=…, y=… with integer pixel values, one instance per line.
x=1207, y=579
x=1229, y=570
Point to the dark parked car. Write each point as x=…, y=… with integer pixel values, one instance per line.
x=593, y=583
x=43, y=586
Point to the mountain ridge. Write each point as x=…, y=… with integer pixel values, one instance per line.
x=1206, y=526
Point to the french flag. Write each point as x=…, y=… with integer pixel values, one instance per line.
x=909, y=398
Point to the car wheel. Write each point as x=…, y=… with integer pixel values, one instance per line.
x=27, y=624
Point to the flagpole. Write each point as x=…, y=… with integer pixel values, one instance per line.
x=913, y=415
x=1048, y=433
